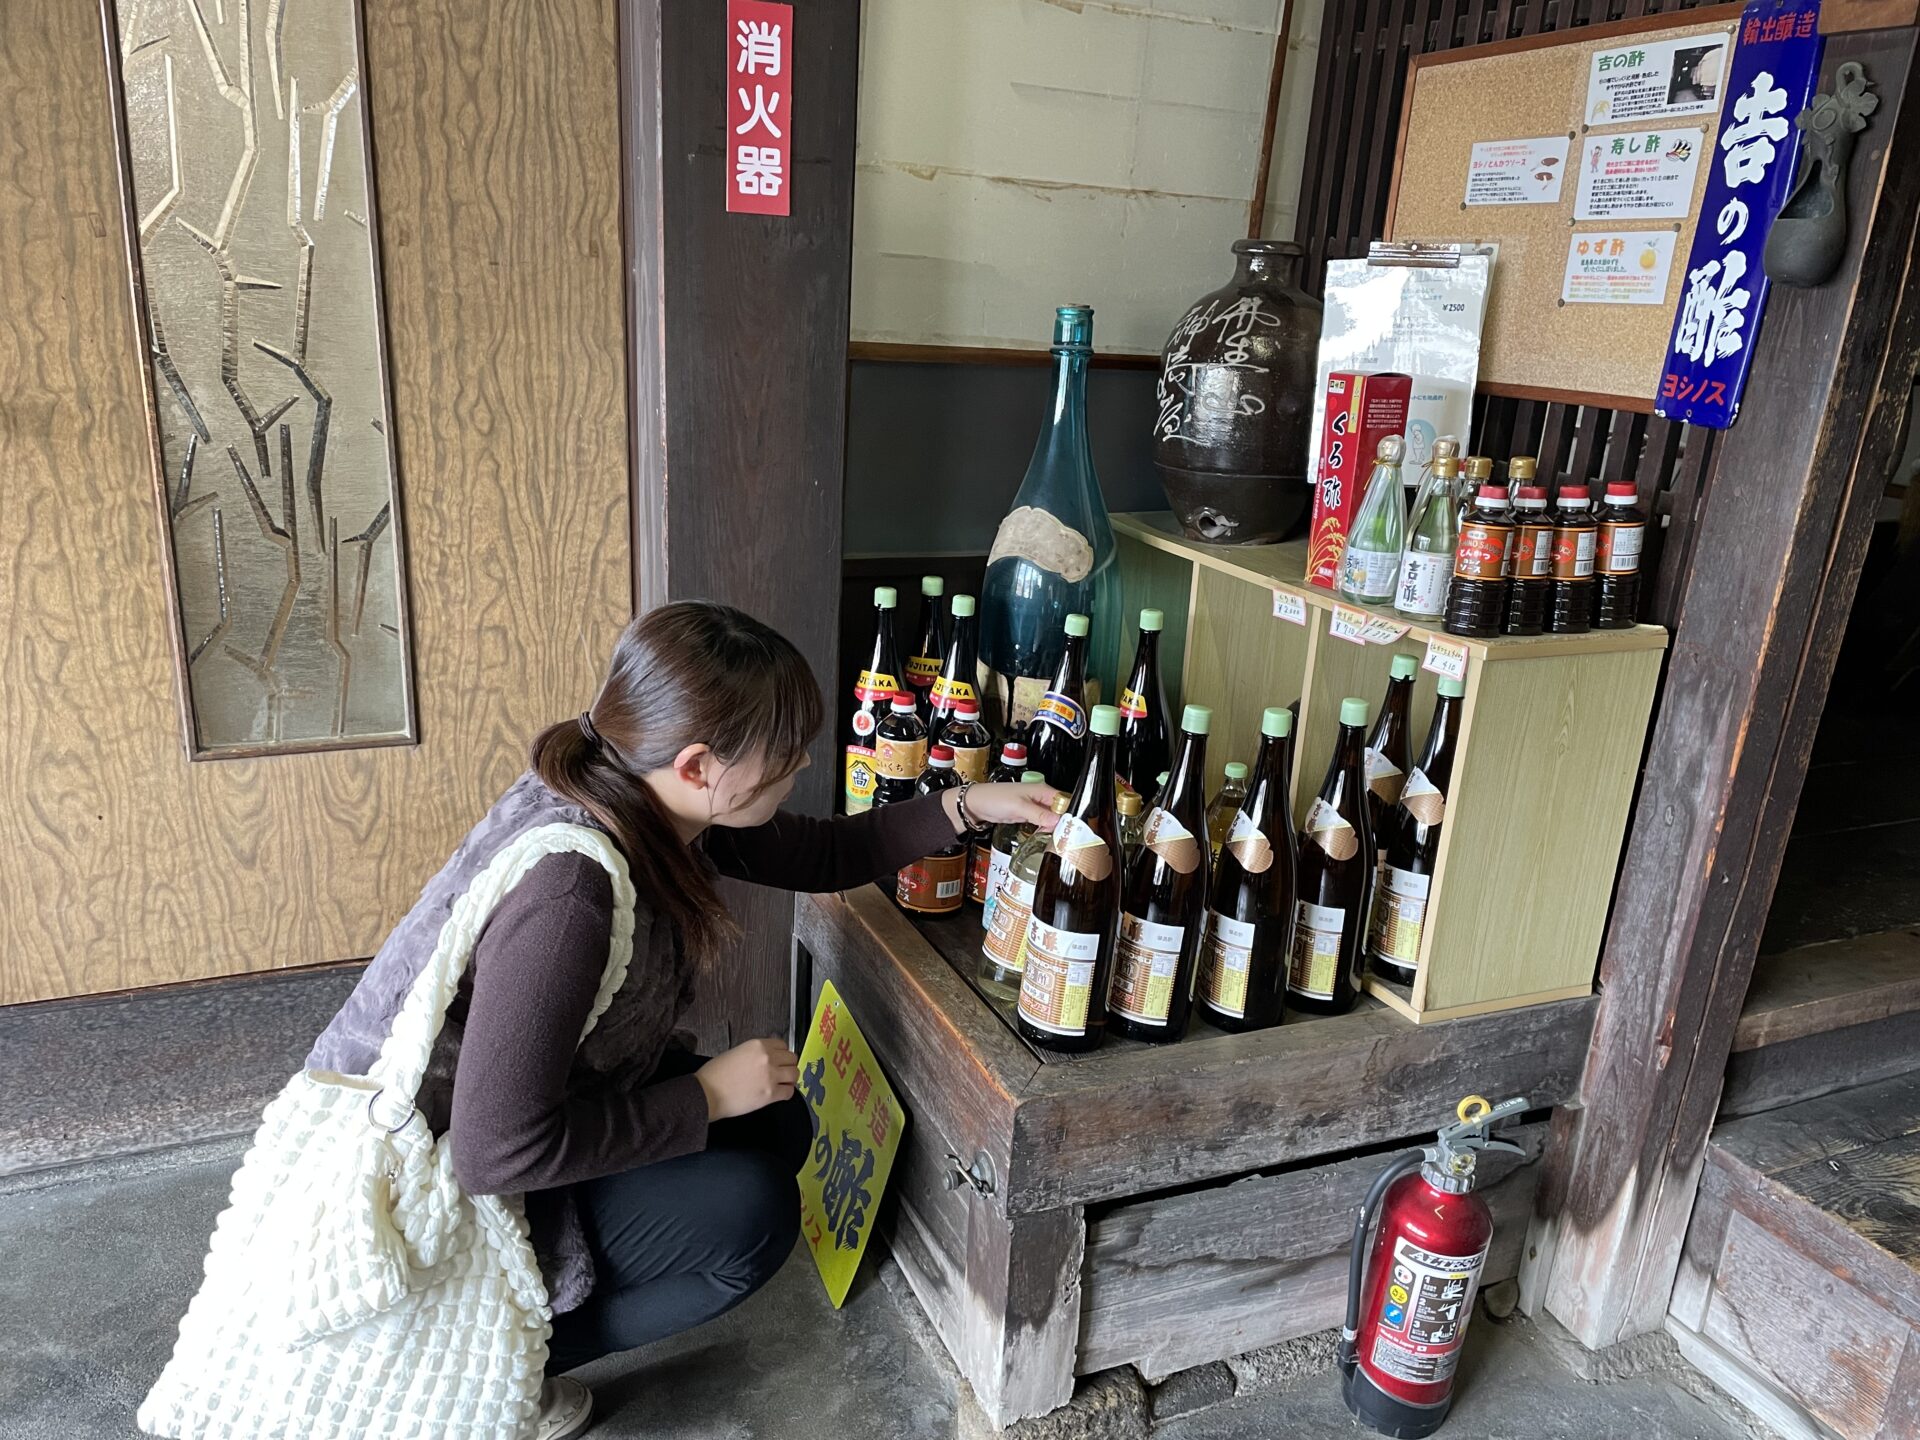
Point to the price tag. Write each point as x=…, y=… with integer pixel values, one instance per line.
x=1288, y=606
x=1383, y=632
x=1446, y=657
x=1349, y=624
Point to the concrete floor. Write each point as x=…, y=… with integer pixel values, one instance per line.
x=98, y=1268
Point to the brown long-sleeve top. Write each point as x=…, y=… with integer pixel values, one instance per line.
x=517, y=1125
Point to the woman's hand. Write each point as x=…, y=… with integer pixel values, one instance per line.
x=748, y=1078
x=1004, y=804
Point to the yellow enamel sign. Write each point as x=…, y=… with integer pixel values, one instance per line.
x=857, y=1121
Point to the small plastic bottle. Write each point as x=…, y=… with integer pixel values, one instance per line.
x=1575, y=538
x=1477, y=598
x=1623, y=526
x=1530, y=559
x=1226, y=805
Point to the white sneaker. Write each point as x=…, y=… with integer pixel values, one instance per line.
x=566, y=1409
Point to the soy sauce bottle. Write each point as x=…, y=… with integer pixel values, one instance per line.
x=1144, y=751
x=968, y=739
x=959, y=670
x=1057, y=738
x=1011, y=768
x=1164, y=907
x=1410, y=841
x=1076, y=907
x=873, y=694
x=899, y=751
x=1575, y=539
x=935, y=884
x=1241, y=982
x=1388, y=745
x=930, y=652
x=1333, y=881
x=1623, y=526
x=1477, y=599
x=1530, y=561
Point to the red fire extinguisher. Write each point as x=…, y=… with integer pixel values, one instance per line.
x=1399, y=1350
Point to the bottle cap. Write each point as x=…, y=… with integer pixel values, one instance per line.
x=1077, y=626
x=1162, y=780
x=967, y=709
x=1446, y=465
x=1235, y=770
x=1451, y=688
x=902, y=703
x=1522, y=468
x=885, y=597
x=1531, y=495
x=1106, y=720
x=1493, y=496
x=1478, y=467
x=1152, y=620
x=940, y=755
x=932, y=586
x=1013, y=752
x=1620, y=492
x=1062, y=803
x=1196, y=719
x=1575, y=495
x=1353, y=711
x=1402, y=667
x=1277, y=721
x=1032, y=777
x=1447, y=447
x=1392, y=450
x=1128, y=803
x=963, y=605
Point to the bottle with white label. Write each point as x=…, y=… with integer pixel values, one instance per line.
x=1003, y=954
x=1333, y=882
x=1370, y=564
x=1241, y=980
x=935, y=884
x=1164, y=907
x=1076, y=908
x=1426, y=566
x=986, y=876
x=1409, y=842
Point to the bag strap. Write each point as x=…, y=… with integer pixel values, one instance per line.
x=409, y=1044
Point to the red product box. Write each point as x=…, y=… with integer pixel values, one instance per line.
x=1360, y=410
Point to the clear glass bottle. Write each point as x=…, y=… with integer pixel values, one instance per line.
x=1370, y=565
x=1225, y=806
x=1427, y=563
x=1053, y=554
x=999, y=846
x=1003, y=953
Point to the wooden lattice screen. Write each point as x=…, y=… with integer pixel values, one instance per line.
x=1365, y=46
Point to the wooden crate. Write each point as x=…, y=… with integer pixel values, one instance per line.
x=1161, y=1206
x=1524, y=873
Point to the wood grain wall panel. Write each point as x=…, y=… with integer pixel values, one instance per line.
x=496, y=143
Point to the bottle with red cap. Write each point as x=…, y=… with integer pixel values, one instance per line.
x=899, y=751
x=1477, y=598
x=1570, y=591
x=968, y=739
x=1530, y=564
x=1012, y=767
x=1623, y=525
x=935, y=884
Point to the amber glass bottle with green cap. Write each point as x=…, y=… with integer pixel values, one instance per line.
x=959, y=678
x=1241, y=978
x=1164, y=909
x=1076, y=906
x=1333, y=881
x=1057, y=738
x=1143, y=751
x=873, y=696
x=1411, y=841
x=1389, y=743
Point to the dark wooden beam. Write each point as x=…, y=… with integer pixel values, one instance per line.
x=737, y=376
x=1781, y=534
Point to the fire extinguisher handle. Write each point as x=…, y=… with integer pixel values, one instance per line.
x=1363, y=1223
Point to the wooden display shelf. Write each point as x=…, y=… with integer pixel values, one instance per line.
x=1815, y=989
x=1026, y=1274
x=1549, y=752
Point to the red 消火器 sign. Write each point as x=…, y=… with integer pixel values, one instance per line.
x=759, y=107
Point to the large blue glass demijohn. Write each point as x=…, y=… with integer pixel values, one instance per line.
x=1053, y=554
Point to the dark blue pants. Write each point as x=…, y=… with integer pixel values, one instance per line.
x=676, y=1243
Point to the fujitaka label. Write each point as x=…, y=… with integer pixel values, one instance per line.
x=1133, y=704
x=1226, y=963
x=1146, y=958
x=1619, y=552
x=1399, y=915
x=861, y=779
x=1314, y=964
x=1056, y=986
x=949, y=693
x=1423, y=799
x=935, y=885
x=1384, y=778
x=876, y=685
x=900, y=759
x=1482, y=552
x=970, y=762
x=1062, y=712
x=1249, y=845
x=1331, y=830
x=922, y=671
x=1006, y=942
x=1424, y=1311
x=1079, y=845
x=1171, y=841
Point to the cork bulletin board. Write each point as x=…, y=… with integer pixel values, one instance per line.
x=1522, y=127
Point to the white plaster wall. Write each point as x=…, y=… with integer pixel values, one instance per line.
x=1015, y=155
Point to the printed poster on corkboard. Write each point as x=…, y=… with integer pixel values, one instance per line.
x=1583, y=155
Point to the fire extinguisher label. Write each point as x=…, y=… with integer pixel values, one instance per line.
x=1423, y=1313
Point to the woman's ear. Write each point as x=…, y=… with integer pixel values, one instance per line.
x=694, y=767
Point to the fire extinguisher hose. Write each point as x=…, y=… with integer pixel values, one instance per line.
x=1357, y=1258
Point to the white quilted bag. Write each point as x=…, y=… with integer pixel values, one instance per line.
x=353, y=1292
